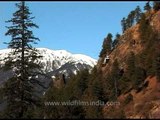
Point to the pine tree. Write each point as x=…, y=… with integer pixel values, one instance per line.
x=138, y=77
x=107, y=45
x=147, y=6
x=143, y=27
x=137, y=14
x=114, y=79
x=132, y=17
x=128, y=21
x=97, y=89
x=157, y=65
x=135, y=74
x=123, y=24
x=115, y=42
x=156, y=5
x=145, y=30
x=52, y=94
x=131, y=66
x=82, y=81
x=20, y=90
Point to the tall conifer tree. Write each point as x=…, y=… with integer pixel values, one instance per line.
x=20, y=90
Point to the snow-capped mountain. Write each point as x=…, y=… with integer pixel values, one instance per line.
x=56, y=59
x=60, y=61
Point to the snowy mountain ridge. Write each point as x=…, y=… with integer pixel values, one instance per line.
x=60, y=60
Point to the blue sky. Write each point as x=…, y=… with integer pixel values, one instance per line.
x=78, y=27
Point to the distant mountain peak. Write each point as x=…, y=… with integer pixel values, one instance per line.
x=60, y=61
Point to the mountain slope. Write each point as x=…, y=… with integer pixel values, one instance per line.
x=143, y=100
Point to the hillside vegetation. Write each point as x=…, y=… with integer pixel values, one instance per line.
x=130, y=77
